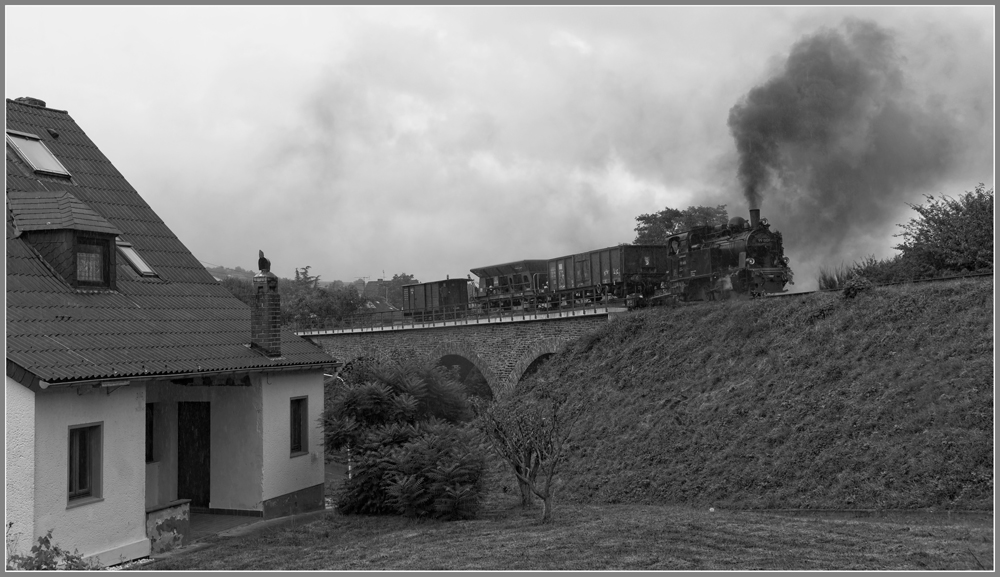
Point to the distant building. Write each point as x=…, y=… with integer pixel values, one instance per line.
x=138, y=390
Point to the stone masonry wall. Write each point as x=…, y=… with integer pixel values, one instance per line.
x=501, y=351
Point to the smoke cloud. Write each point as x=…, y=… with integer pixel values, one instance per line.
x=839, y=139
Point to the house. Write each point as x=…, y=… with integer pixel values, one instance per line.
x=138, y=390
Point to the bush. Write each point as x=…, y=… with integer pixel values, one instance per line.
x=951, y=234
x=46, y=556
x=428, y=469
x=403, y=422
x=437, y=474
x=835, y=278
x=856, y=286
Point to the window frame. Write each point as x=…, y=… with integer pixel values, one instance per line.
x=105, y=252
x=302, y=447
x=94, y=442
x=12, y=137
x=133, y=257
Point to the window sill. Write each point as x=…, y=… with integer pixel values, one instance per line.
x=83, y=501
x=298, y=454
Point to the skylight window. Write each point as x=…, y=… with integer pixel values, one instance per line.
x=35, y=153
x=133, y=258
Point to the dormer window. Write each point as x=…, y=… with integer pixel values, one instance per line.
x=92, y=266
x=133, y=258
x=76, y=241
x=34, y=152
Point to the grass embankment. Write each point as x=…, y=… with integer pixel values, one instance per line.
x=594, y=537
x=882, y=401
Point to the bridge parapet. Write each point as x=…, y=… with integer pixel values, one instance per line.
x=399, y=323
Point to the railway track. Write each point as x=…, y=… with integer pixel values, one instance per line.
x=917, y=281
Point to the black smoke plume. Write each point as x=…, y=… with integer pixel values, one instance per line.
x=838, y=140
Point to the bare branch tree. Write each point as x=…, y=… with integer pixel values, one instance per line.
x=532, y=436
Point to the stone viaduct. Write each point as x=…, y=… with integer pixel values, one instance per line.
x=502, y=349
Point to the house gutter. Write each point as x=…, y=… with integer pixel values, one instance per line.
x=128, y=379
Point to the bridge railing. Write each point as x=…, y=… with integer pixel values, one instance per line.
x=462, y=314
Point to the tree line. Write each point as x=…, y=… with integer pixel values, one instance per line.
x=304, y=299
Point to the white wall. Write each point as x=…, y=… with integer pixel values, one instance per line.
x=237, y=449
x=283, y=473
x=117, y=523
x=19, y=479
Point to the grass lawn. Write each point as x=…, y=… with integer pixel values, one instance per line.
x=605, y=537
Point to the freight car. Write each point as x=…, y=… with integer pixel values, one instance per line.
x=604, y=274
x=510, y=286
x=437, y=300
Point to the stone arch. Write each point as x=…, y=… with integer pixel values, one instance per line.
x=467, y=352
x=549, y=346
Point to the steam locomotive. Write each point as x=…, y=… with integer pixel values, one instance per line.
x=739, y=259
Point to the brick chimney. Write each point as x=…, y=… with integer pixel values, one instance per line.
x=265, y=318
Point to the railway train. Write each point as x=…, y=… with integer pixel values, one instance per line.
x=739, y=259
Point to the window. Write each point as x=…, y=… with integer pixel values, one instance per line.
x=150, y=419
x=299, y=420
x=84, y=462
x=92, y=261
x=133, y=258
x=35, y=153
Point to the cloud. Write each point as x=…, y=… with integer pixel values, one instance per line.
x=435, y=140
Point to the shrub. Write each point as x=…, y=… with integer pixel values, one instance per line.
x=402, y=421
x=46, y=556
x=437, y=474
x=834, y=278
x=430, y=469
x=856, y=286
x=951, y=234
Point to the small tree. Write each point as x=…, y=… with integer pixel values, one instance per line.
x=530, y=433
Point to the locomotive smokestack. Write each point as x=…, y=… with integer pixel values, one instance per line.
x=754, y=217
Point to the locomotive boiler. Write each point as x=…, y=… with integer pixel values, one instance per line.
x=738, y=258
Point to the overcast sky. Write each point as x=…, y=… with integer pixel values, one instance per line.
x=435, y=140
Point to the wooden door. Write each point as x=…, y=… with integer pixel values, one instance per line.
x=193, y=452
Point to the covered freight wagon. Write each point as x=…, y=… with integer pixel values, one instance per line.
x=510, y=286
x=437, y=300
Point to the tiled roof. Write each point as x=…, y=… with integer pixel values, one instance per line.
x=179, y=322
